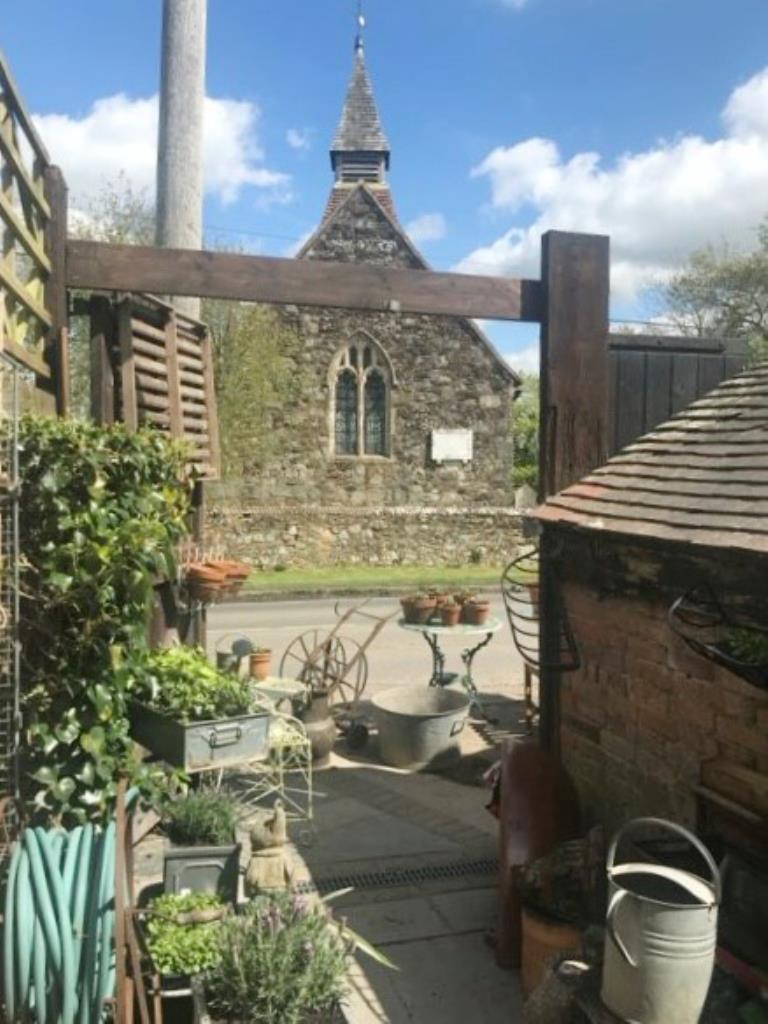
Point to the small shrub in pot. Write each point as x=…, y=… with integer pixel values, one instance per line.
x=202, y=818
x=204, y=855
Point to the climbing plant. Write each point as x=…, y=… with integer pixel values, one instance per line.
x=103, y=512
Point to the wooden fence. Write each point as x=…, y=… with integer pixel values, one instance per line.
x=654, y=377
x=33, y=303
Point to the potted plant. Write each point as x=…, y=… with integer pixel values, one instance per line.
x=182, y=934
x=284, y=960
x=462, y=597
x=260, y=663
x=191, y=714
x=450, y=613
x=204, y=855
x=476, y=611
x=236, y=573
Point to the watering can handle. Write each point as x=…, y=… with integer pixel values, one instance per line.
x=610, y=923
x=671, y=826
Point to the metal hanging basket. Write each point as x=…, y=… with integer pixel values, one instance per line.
x=703, y=622
x=521, y=590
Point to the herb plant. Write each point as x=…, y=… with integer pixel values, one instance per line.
x=748, y=645
x=103, y=512
x=182, y=683
x=284, y=961
x=204, y=818
x=281, y=962
x=179, y=944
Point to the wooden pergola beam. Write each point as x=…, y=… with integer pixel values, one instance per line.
x=126, y=268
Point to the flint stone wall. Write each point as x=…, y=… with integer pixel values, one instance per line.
x=270, y=537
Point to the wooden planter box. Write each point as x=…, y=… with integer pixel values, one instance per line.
x=201, y=1015
x=201, y=745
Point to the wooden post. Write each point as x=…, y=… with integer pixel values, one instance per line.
x=56, y=285
x=575, y=277
x=102, y=370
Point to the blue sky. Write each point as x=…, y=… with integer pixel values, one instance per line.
x=644, y=119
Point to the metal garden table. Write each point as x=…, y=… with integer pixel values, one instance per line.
x=433, y=632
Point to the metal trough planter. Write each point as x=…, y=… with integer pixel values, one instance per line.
x=211, y=869
x=420, y=727
x=198, y=746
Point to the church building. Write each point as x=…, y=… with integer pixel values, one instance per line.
x=401, y=416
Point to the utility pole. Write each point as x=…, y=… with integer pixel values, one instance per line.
x=179, y=217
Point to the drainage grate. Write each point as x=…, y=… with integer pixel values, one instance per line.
x=401, y=876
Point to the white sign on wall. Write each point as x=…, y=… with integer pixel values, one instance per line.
x=451, y=445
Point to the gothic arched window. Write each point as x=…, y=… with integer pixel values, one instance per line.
x=361, y=383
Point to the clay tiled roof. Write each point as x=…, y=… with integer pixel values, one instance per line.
x=701, y=477
x=360, y=127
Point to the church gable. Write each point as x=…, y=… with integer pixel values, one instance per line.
x=360, y=231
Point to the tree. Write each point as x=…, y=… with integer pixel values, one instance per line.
x=525, y=433
x=723, y=292
x=257, y=374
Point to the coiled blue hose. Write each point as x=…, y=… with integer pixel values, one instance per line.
x=59, y=926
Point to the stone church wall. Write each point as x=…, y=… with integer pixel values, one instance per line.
x=296, y=537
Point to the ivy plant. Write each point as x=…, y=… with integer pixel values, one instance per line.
x=103, y=511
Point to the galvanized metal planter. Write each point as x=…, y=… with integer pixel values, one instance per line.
x=198, y=746
x=211, y=869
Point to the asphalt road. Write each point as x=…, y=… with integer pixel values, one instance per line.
x=395, y=657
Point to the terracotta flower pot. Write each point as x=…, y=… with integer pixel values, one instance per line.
x=203, y=572
x=406, y=603
x=260, y=664
x=423, y=609
x=476, y=612
x=450, y=614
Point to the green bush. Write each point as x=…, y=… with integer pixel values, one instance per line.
x=202, y=819
x=103, y=512
x=178, y=945
x=182, y=683
x=747, y=645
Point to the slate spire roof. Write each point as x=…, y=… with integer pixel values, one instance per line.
x=701, y=477
x=360, y=129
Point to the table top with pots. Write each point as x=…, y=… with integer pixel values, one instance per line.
x=491, y=625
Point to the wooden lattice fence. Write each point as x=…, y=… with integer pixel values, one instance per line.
x=32, y=271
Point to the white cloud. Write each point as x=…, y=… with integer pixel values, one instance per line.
x=118, y=135
x=526, y=360
x=657, y=205
x=298, y=138
x=428, y=227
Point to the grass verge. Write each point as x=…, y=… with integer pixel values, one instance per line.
x=369, y=579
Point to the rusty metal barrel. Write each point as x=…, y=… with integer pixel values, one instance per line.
x=661, y=932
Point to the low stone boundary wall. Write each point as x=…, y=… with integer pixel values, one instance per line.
x=291, y=536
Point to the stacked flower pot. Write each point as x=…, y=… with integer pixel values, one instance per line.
x=217, y=578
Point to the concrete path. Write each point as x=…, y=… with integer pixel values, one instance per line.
x=418, y=849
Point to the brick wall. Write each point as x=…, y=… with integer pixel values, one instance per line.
x=269, y=536
x=644, y=710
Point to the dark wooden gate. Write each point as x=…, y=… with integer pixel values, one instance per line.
x=653, y=377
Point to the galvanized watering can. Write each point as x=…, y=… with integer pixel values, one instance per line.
x=661, y=931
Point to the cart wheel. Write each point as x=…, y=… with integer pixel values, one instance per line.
x=315, y=658
x=348, y=684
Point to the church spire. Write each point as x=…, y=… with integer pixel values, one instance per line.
x=360, y=149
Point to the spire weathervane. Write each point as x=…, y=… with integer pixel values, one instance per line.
x=360, y=27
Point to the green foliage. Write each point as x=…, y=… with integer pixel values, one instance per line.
x=257, y=376
x=177, y=948
x=283, y=961
x=203, y=818
x=747, y=645
x=725, y=293
x=182, y=683
x=525, y=433
x=103, y=511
